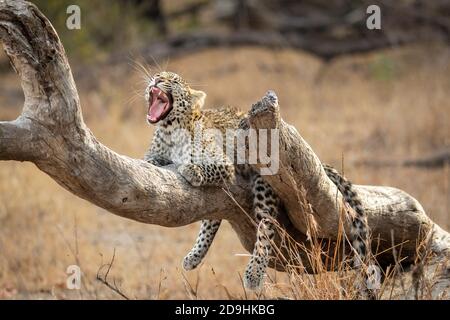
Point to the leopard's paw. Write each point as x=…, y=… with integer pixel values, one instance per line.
x=254, y=276
x=192, y=174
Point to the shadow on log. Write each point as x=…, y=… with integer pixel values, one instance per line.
x=51, y=133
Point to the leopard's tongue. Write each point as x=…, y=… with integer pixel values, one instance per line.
x=157, y=109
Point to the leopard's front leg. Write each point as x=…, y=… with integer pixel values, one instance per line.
x=207, y=174
x=158, y=152
x=200, y=175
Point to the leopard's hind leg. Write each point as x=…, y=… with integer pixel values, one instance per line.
x=265, y=203
x=359, y=230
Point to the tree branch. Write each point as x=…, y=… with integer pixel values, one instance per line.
x=14, y=137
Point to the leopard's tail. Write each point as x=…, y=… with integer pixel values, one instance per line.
x=359, y=229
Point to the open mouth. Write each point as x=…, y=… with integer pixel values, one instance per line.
x=160, y=105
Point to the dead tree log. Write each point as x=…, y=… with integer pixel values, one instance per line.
x=51, y=133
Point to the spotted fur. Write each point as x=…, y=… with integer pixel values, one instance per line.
x=170, y=147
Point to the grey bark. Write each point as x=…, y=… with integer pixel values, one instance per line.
x=51, y=133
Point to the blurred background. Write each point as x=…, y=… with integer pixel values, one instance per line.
x=373, y=103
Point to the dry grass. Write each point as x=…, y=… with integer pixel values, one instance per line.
x=391, y=104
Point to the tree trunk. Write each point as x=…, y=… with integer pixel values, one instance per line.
x=51, y=133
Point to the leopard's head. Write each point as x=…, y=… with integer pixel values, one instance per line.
x=169, y=97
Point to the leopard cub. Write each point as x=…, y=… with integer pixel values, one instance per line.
x=176, y=109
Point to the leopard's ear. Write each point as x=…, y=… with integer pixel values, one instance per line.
x=197, y=98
